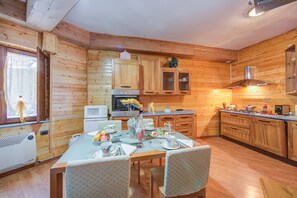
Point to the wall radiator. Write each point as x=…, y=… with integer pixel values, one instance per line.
x=17, y=151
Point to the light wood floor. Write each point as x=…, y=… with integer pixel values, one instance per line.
x=235, y=172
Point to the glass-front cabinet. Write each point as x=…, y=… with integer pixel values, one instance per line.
x=184, y=81
x=169, y=81
x=291, y=79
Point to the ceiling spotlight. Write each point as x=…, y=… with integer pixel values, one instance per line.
x=252, y=13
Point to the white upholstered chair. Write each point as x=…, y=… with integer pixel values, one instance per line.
x=106, y=177
x=185, y=174
x=117, y=123
x=148, y=120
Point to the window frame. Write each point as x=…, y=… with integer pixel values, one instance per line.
x=3, y=105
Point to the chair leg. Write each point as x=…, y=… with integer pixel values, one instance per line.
x=138, y=164
x=160, y=161
x=151, y=160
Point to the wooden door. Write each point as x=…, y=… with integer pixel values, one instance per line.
x=183, y=82
x=292, y=140
x=125, y=74
x=168, y=82
x=150, y=74
x=269, y=135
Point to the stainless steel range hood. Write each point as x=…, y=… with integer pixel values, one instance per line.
x=248, y=80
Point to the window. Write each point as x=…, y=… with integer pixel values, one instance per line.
x=24, y=77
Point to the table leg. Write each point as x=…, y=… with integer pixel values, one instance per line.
x=160, y=161
x=138, y=164
x=56, y=185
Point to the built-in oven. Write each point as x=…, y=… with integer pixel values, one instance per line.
x=118, y=109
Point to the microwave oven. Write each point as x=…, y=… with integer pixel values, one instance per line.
x=95, y=111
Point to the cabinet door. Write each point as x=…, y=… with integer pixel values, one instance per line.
x=125, y=74
x=269, y=135
x=184, y=85
x=292, y=140
x=150, y=75
x=237, y=133
x=168, y=81
x=291, y=70
x=165, y=119
x=235, y=119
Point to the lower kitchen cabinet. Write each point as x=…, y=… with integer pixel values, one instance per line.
x=165, y=119
x=292, y=140
x=269, y=135
x=237, y=133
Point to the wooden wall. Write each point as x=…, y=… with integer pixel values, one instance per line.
x=68, y=90
x=268, y=57
x=68, y=94
x=208, y=79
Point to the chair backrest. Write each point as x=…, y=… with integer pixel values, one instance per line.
x=105, y=177
x=148, y=120
x=117, y=123
x=186, y=170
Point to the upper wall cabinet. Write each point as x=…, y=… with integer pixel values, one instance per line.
x=184, y=85
x=291, y=78
x=125, y=74
x=150, y=72
x=168, y=81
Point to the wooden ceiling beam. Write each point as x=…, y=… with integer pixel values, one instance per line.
x=79, y=36
x=46, y=14
x=13, y=10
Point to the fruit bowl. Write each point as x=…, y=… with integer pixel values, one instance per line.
x=101, y=136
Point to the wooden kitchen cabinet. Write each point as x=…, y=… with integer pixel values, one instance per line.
x=183, y=82
x=125, y=74
x=236, y=127
x=165, y=119
x=291, y=70
x=168, y=81
x=292, y=140
x=235, y=119
x=184, y=124
x=269, y=135
x=150, y=75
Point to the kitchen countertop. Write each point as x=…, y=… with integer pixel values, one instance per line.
x=276, y=117
x=162, y=113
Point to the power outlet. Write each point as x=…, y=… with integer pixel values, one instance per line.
x=43, y=132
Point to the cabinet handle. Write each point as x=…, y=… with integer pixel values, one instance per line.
x=265, y=121
x=184, y=131
x=149, y=92
x=167, y=118
x=168, y=92
x=184, y=117
x=126, y=86
x=234, y=128
x=184, y=92
x=184, y=124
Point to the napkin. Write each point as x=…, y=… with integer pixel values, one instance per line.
x=128, y=149
x=93, y=133
x=188, y=143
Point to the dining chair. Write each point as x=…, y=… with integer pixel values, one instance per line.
x=117, y=123
x=185, y=174
x=104, y=177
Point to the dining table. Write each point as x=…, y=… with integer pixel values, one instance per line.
x=84, y=148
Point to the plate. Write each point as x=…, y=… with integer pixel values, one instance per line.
x=153, y=136
x=99, y=153
x=149, y=129
x=166, y=146
x=129, y=140
x=110, y=131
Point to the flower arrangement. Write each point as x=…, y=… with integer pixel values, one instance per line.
x=133, y=103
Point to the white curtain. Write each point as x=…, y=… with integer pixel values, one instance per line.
x=21, y=80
